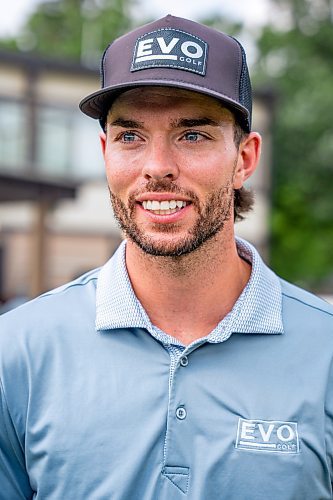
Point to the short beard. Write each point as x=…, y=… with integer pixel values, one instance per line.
x=212, y=216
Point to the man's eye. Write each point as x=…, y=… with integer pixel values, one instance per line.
x=129, y=137
x=193, y=136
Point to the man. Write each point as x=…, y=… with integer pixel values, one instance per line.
x=184, y=367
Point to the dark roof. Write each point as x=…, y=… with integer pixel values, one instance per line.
x=37, y=62
x=14, y=187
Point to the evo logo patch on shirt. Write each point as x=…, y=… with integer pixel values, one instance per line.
x=170, y=48
x=267, y=435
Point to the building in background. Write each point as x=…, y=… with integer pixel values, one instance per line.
x=55, y=216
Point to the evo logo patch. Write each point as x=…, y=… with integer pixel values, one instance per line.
x=170, y=48
x=267, y=435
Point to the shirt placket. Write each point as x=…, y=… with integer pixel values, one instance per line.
x=176, y=469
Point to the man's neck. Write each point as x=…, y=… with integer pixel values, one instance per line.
x=188, y=296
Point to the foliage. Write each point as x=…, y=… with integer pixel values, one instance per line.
x=74, y=29
x=299, y=62
x=221, y=23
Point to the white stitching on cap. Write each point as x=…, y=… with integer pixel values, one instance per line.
x=156, y=65
x=171, y=29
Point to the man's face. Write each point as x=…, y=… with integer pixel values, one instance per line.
x=172, y=166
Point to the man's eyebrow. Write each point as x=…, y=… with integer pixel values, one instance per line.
x=181, y=123
x=122, y=122
x=195, y=122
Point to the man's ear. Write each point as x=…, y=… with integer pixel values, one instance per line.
x=248, y=158
x=102, y=138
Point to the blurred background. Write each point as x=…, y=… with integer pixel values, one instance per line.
x=55, y=216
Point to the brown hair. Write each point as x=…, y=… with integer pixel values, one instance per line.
x=243, y=198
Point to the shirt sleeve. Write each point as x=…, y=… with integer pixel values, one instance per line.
x=14, y=479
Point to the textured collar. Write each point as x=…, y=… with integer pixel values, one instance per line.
x=257, y=310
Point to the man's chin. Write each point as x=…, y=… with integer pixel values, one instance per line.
x=169, y=247
x=161, y=247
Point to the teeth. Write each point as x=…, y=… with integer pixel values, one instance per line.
x=163, y=206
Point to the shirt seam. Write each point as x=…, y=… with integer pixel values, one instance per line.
x=307, y=304
x=56, y=292
x=329, y=457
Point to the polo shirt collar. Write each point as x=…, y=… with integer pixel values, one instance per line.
x=257, y=310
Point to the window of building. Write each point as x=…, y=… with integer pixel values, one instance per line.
x=13, y=135
x=86, y=148
x=53, y=141
x=67, y=143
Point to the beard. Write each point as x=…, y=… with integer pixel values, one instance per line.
x=212, y=216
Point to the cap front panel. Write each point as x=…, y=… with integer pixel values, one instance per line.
x=172, y=52
x=172, y=55
x=170, y=48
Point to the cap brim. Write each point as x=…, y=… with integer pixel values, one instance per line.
x=97, y=105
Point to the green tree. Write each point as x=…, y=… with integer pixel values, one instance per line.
x=221, y=23
x=74, y=29
x=299, y=62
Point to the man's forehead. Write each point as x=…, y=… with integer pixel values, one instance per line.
x=141, y=96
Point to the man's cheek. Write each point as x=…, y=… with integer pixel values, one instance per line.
x=116, y=179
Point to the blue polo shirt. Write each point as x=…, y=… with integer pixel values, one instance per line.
x=97, y=403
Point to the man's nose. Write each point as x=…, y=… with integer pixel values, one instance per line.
x=160, y=162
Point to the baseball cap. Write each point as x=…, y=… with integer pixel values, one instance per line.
x=175, y=52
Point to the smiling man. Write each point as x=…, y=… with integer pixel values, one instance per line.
x=184, y=367
x=175, y=139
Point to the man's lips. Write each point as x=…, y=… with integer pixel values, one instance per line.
x=162, y=203
x=161, y=197
x=160, y=212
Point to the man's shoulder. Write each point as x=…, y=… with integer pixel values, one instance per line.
x=304, y=302
x=60, y=306
x=80, y=285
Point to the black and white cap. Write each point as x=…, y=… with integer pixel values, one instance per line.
x=175, y=52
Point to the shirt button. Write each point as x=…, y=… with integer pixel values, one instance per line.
x=184, y=360
x=181, y=413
